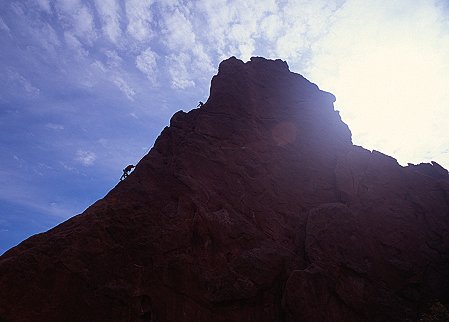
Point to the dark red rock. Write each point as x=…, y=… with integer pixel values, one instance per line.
x=254, y=207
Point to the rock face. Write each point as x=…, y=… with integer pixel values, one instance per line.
x=254, y=207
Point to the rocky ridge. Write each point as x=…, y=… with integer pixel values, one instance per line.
x=254, y=207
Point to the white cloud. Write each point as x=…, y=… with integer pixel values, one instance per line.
x=87, y=158
x=231, y=24
x=110, y=16
x=18, y=9
x=44, y=5
x=3, y=25
x=217, y=17
x=179, y=35
x=47, y=37
x=98, y=65
x=271, y=26
x=113, y=59
x=124, y=87
x=302, y=23
x=290, y=45
x=69, y=5
x=188, y=57
x=77, y=17
x=202, y=62
x=284, y=29
x=30, y=90
x=139, y=17
x=84, y=23
x=146, y=63
x=177, y=69
x=73, y=43
x=54, y=126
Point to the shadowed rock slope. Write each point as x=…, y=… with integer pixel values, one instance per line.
x=254, y=207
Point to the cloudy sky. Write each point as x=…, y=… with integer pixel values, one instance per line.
x=87, y=85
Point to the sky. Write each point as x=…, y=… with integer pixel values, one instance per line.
x=86, y=86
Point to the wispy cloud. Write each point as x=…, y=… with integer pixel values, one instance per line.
x=3, y=25
x=146, y=62
x=87, y=158
x=54, y=126
x=110, y=16
x=23, y=83
x=124, y=87
x=139, y=15
x=177, y=69
x=44, y=5
x=79, y=17
x=178, y=31
x=73, y=43
x=113, y=59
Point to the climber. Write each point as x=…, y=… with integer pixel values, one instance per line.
x=200, y=104
x=126, y=171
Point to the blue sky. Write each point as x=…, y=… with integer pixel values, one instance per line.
x=87, y=85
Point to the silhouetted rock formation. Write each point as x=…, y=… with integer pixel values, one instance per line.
x=254, y=207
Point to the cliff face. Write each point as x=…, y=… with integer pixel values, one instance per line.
x=254, y=207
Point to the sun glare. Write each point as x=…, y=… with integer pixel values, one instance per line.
x=388, y=67
x=390, y=97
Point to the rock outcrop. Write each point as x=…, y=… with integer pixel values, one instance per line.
x=254, y=207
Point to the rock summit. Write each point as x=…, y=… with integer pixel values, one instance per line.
x=254, y=207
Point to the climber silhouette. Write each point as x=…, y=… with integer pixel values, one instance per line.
x=200, y=104
x=126, y=171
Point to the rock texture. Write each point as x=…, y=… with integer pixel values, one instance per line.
x=254, y=207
